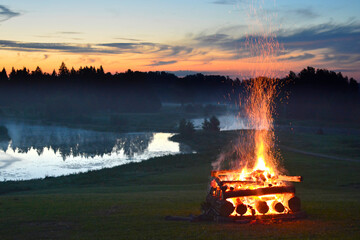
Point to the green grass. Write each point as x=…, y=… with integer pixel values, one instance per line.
x=339, y=145
x=131, y=201
x=319, y=123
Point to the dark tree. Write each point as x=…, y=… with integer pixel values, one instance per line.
x=63, y=70
x=212, y=126
x=4, y=135
x=3, y=75
x=186, y=128
x=320, y=95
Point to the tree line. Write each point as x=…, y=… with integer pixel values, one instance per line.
x=320, y=94
x=314, y=93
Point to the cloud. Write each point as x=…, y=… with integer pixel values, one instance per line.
x=339, y=42
x=6, y=13
x=125, y=45
x=226, y=2
x=128, y=39
x=306, y=12
x=163, y=50
x=70, y=33
x=212, y=38
x=301, y=57
x=342, y=40
x=161, y=63
x=62, y=47
x=148, y=47
x=341, y=58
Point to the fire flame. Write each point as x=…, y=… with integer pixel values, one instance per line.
x=257, y=168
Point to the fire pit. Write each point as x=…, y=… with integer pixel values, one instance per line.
x=246, y=196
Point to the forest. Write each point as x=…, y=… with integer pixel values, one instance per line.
x=312, y=93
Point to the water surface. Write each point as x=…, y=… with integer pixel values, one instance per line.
x=37, y=151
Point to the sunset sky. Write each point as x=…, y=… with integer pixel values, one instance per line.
x=183, y=37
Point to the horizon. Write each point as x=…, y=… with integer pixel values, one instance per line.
x=179, y=74
x=180, y=37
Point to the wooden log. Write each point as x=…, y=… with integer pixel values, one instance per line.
x=290, y=178
x=278, y=206
x=239, y=182
x=261, y=207
x=218, y=181
x=221, y=207
x=294, y=204
x=259, y=191
x=241, y=209
x=223, y=172
x=280, y=177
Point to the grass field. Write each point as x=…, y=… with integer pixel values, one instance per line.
x=131, y=201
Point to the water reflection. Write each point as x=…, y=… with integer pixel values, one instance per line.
x=36, y=151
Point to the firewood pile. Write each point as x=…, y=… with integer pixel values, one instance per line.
x=256, y=197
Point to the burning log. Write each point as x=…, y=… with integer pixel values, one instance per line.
x=222, y=207
x=281, y=178
x=290, y=178
x=259, y=191
x=241, y=209
x=221, y=183
x=294, y=204
x=256, y=192
x=278, y=206
x=261, y=207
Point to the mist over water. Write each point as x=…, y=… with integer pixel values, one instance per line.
x=37, y=151
x=227, y=122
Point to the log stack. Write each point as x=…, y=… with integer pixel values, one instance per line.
x=251, y=198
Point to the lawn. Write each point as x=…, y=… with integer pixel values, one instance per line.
x=131, y=201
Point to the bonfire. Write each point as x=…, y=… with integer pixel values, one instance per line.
x=255, y=188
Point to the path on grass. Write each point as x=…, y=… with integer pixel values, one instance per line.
x=318, y=154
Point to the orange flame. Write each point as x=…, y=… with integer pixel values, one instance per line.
x=257, y=165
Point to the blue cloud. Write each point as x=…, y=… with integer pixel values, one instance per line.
x=336, y=39
x=6, y=13
x=109, y=48
x=161, y=63
x=306, y=12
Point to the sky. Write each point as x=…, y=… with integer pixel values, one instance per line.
x=182, y=36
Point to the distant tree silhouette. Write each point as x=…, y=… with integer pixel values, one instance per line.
x=212, y=126
x=186, y=128
x=314, y=93
x=3, y=75
x=321, y=94
x=53, y=74
x=4, y=135
x=63, y=70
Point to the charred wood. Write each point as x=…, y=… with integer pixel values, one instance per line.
x=216, y=174
x=294, y=204
x=241, y=209
x=259, y=191
x=261, y=207
x=278, y=206
x=221, y=207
